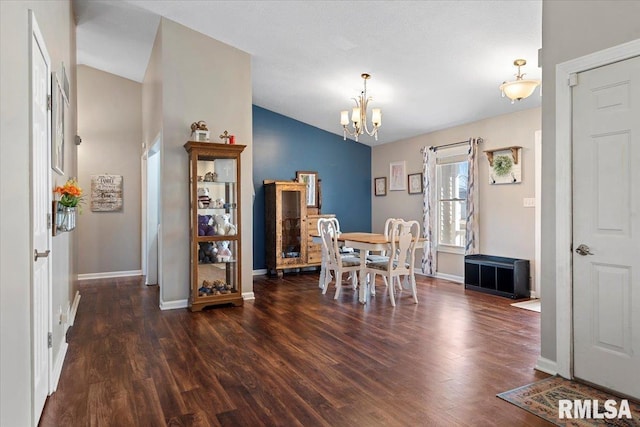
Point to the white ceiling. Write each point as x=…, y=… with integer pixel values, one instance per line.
x=434, y=64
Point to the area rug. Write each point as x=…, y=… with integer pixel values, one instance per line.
x=533, y=305
x=542, y=398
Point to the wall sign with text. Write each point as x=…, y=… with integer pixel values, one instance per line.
x=106, y=193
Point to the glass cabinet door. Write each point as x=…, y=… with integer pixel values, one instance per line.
x=291, y=224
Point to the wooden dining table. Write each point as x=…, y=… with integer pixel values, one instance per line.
x=365, y=242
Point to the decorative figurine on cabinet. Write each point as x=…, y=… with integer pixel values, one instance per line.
x=224, y=253
x=224, y=226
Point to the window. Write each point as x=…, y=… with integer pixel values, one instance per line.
x=452, y=205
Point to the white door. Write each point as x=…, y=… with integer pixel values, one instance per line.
x=606, y=220
x=40, y=218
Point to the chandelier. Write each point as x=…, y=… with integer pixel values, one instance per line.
x=519, y=88
x=359, y=115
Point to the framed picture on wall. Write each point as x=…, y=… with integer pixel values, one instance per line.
x=311, y=179
x=415, y=183
x=397, y=176
x=57, y=125
x=380, y=186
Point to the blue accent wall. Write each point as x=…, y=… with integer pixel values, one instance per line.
x=282, y=146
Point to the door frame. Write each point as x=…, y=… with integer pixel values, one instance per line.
x=564, y=193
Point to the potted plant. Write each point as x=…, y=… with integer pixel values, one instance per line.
x=70, y=197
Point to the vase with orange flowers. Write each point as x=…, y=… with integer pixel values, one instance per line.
x=70, y=197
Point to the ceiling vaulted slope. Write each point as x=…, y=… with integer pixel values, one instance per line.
x=433, y=64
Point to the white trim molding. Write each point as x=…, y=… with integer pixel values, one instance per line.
x=248, y=296
x=564, y=194
x=173, y=305
x=443, y=276
x=110, y=275
x=57, y=367
x=260, y=272
x=73, y=310
x=546, y=366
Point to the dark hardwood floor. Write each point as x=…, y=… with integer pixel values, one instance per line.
x=295, y=357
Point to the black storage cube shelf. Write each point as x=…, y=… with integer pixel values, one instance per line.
x=507, y=277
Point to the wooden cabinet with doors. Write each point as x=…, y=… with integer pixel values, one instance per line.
x=215, y=217
x=289, y=228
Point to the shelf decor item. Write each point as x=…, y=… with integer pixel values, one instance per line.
x=505, y=165
x=199, y=131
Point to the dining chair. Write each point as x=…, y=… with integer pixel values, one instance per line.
x=383, y=256
x=334, y=261
x=403, y=240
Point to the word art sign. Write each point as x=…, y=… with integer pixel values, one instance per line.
x=106, y=193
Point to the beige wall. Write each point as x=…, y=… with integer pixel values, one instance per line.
x=506, y=227
x=570, y=30
x=16, y=254
x=200, y=79
x=110, y=124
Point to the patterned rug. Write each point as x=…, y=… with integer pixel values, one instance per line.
x=542, y=398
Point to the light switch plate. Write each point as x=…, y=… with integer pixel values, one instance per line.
x=529, y=202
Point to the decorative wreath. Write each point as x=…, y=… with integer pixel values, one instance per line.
x=502, y=165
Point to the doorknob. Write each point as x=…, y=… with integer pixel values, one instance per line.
x=583, y=250
x=37, y=254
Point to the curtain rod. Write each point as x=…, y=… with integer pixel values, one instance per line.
x=479, y=140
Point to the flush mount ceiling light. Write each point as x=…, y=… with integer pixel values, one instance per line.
x=359, y=115
x=519, y=88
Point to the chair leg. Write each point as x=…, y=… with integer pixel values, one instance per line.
x=326, y=280
x=354, y=280
x=392, y=291
x=413, y=289
x=372, y=283
x=338, y=275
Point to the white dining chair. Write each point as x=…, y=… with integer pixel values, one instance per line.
x=383, y=256
x=334, y=261
x=403, y=240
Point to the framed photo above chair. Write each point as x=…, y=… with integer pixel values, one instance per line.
x=397, y=174
x=415, y=183
x=380, y=186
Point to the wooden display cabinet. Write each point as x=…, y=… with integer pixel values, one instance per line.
x=289, y=228
x=215, y=218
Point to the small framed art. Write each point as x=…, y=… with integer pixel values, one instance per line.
x=397, y=176
x=415, y=183
x=380, y=186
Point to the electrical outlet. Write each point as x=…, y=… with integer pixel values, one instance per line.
x=529, y=202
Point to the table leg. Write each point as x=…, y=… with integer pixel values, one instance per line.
x=363, y=277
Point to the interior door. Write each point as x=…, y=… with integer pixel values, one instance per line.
x=606, y=226
x=40, y=218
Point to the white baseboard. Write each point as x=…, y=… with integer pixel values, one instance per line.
x=110, y=275
x=248, y=296
x=533, y=295
x=450, y=277
x=260, y=272
x=173, y=305
x=73, y=310
x=57, y=367
x=547, y=366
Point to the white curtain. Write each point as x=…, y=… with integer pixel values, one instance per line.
x=472, y=238
x=429, y=256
